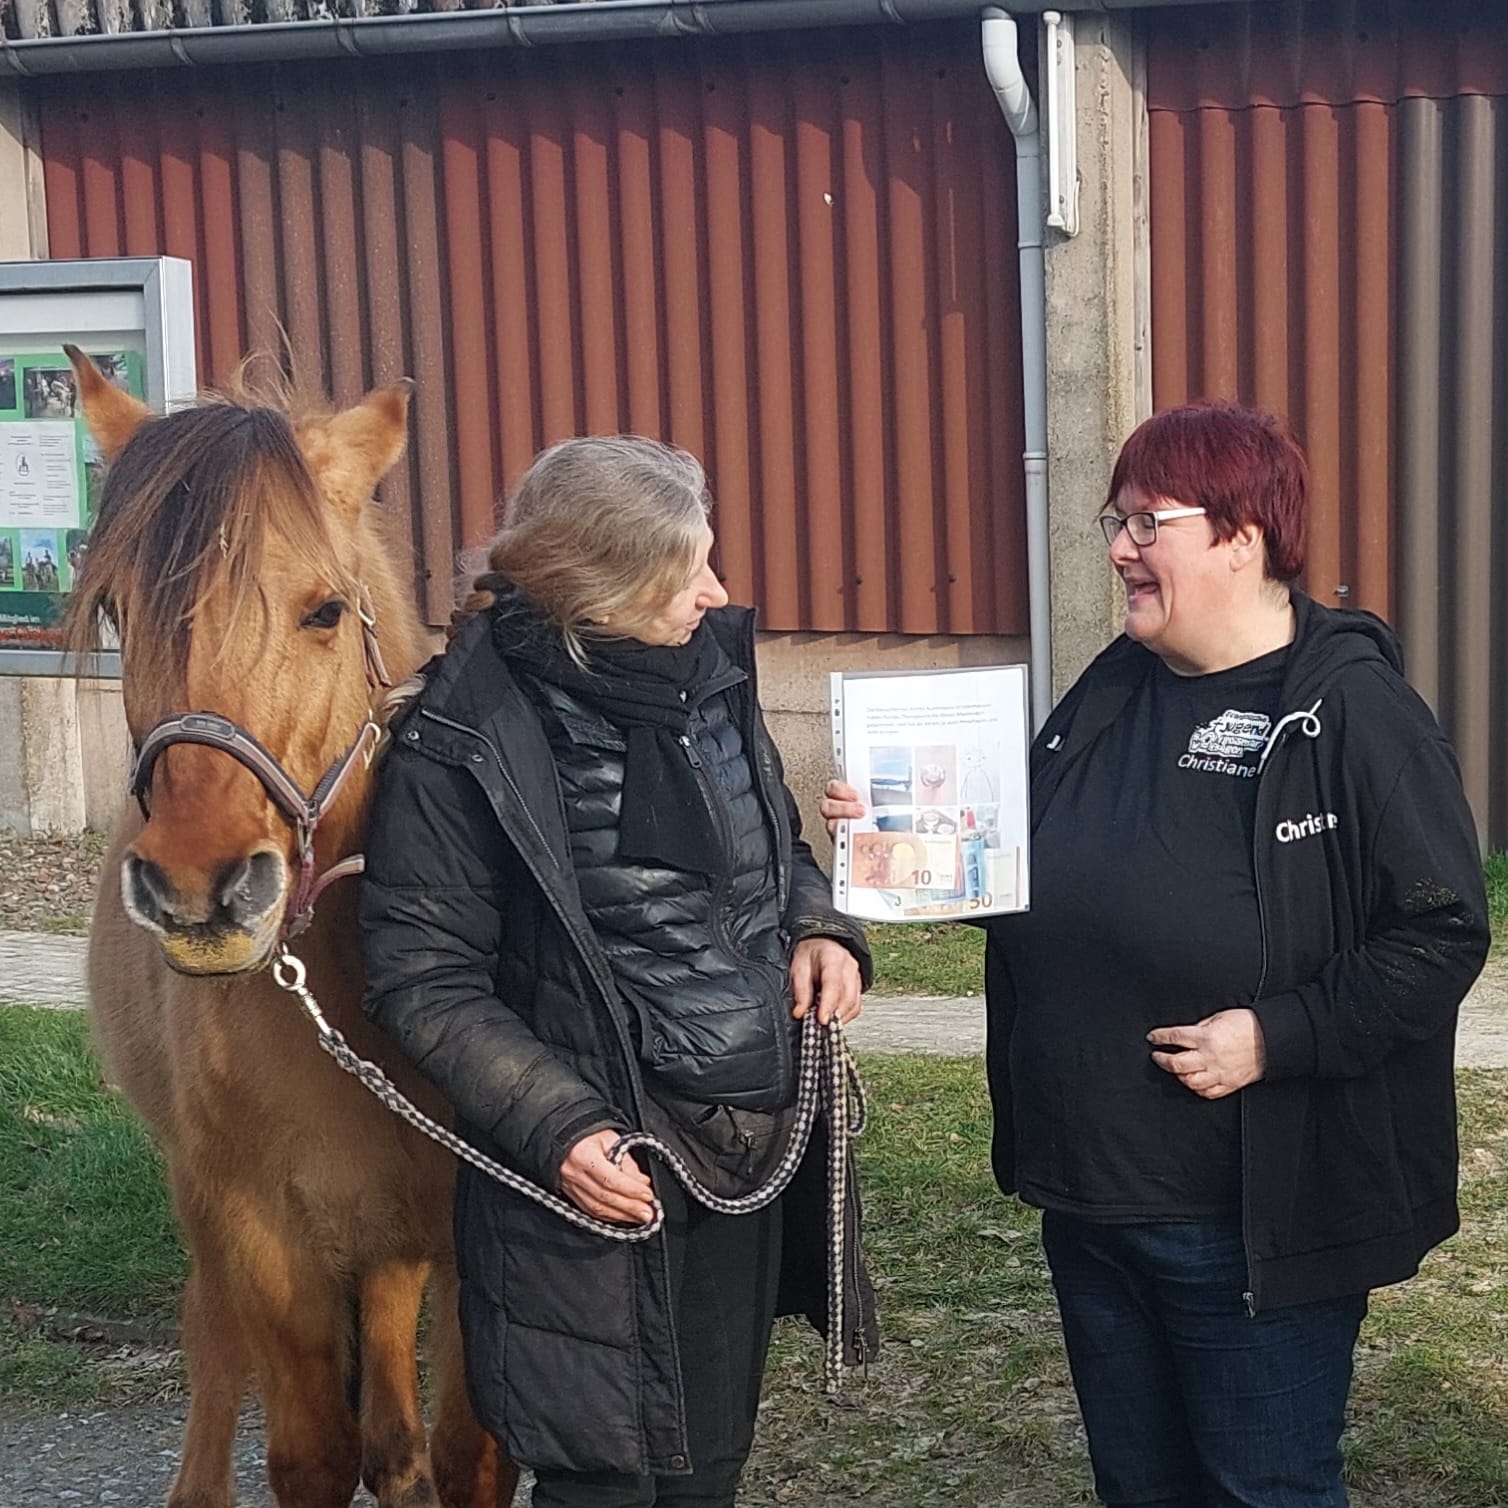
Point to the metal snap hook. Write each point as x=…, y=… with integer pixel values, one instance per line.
x=289, y=972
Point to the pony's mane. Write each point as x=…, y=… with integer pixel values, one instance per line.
x=191, y=501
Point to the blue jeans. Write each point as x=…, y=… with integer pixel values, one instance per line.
x=1187, y=1401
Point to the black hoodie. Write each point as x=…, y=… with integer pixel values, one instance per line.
x=1374, y=925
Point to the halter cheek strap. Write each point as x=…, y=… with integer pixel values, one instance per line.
x=304, y=811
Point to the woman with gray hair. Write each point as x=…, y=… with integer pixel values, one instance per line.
x=588, y=909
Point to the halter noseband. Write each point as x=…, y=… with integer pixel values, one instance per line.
x=304, y=811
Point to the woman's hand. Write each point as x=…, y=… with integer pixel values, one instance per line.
x=1221, y=1054
x=825, y=972
x=610, y=1191
x=839, y=801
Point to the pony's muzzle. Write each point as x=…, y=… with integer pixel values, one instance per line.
x=220, y=923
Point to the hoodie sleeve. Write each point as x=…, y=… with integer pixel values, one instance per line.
x=1425, y=943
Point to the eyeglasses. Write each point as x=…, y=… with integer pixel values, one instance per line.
x=1143, y=526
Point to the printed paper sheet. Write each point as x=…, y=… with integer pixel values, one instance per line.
x=940, y=759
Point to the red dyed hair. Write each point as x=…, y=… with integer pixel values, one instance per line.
x=1241, y=464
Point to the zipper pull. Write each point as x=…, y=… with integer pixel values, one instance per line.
x=692, y=756
x=1250, y=1300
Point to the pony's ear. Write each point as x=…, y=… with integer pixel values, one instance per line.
x=350, y=453
x=112, y=416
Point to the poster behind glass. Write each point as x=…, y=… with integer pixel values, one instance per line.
x=50, y=477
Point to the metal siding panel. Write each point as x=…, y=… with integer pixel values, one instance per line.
x=906, y=209
x=61, y=170
x=731, y=423
x=512, y=278
x=558, y=368
x=219, y=265
x=691, y=194
x=1169, y=204
x=138, y=178
x=643, y=307
x=1318, y=418
x=382, y=260
x=429, y=362
x=1217, y=254
x=1468, y=603
x=871, y=434
x=594, y=176
x=795, y=257
x=824, y=553
x=346, y=324
x=256, y=181
x=1421, y=391
x=1371, y=291
x=297, y=134
x=97, y=138
x=1265, y=375
x=471, y=388
x=776, y=319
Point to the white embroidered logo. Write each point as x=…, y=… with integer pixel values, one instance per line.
x=1219, y=746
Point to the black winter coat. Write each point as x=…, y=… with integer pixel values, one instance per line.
x=484, y=968
x=1374, y=925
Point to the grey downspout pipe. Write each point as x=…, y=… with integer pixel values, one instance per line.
x=1002, y=66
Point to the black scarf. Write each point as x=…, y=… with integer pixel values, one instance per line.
x=648, y=692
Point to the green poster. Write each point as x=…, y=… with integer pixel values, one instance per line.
x=50, y=478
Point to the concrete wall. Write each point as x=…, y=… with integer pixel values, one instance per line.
x=1098, y=355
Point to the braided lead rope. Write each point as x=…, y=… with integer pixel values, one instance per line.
x=828, y=1079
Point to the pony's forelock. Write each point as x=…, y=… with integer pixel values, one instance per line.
x=188, y=504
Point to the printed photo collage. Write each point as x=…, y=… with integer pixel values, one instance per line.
x=51, y=472
x=937, y=811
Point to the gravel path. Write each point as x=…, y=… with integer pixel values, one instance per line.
x=47, y=884
x=42, y=970
x=120, y=1456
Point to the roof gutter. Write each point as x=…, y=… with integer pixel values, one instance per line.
x=505, y=26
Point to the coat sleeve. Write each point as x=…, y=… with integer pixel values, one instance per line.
x=1425, y=943
x=434, y=906
x=809, y=910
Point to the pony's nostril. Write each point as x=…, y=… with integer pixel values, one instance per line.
x=148, y=889
x=249, y=888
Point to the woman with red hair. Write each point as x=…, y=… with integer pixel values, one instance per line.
x=1221, y=1042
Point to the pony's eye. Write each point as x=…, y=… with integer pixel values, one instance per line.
x=326, y=615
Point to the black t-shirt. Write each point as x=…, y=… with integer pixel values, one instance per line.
x=1143, y=914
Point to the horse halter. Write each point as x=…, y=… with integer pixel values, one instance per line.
x=304, y=811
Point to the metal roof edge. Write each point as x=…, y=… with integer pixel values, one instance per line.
x=503, y=26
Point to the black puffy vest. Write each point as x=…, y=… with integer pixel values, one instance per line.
x=703, y=963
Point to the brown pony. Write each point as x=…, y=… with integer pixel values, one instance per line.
x=234, y=551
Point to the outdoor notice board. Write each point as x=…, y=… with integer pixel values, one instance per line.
x=135, y=317
x=939, y=759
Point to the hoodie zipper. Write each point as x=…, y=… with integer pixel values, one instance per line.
x=1249, y=1298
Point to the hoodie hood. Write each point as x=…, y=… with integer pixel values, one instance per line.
x=1326, y=640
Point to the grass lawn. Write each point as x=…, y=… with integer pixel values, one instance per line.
x=969, y=1403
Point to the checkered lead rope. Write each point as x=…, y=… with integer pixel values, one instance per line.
x=828, y=1082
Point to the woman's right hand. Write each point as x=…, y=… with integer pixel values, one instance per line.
x=839, y=801
x=610, y=1191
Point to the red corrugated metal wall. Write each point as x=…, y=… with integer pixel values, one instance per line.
x=1327, y=187
x=793, y=256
